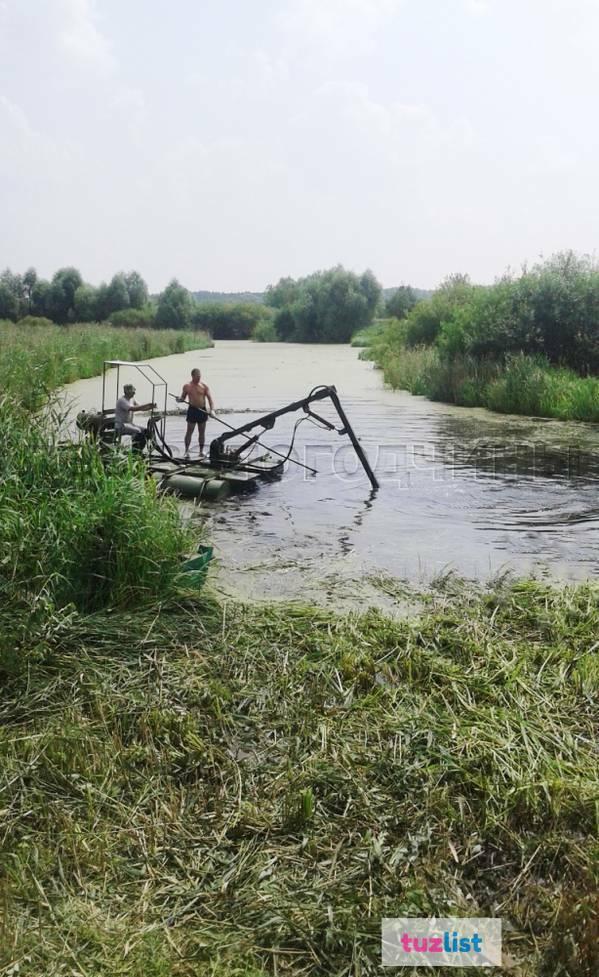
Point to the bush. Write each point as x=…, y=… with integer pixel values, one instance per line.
x=224, y=320
x=34, y=320
x=265, y=332
x=326, y=307
x=134, y=318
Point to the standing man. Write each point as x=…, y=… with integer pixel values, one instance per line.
x=123, y=416
x=197, y=393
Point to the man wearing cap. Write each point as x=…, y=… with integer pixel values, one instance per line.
x=123, y=415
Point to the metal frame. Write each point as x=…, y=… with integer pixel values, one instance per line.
x=154, y=379
x=267, y=421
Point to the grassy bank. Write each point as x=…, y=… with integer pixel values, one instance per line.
x=38, y=359
x=192, y=789
x=195, y=790
x=519, y=385
x=525, y=345
x=372, y=334
x=77, y=532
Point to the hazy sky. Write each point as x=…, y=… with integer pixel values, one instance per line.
x=229, y=143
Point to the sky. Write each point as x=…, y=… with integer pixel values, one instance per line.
x=231, y=143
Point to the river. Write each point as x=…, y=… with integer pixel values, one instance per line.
x=462, y=490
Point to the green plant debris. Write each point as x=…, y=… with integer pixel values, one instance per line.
x=205, y=789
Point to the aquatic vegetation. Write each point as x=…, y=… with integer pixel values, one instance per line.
x=521, y=385
x=77, y=531
x=527, y=345
x=233, y=790
x=191, y=787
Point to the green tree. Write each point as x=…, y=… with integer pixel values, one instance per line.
x=281, y=295
x=116, y=296
x=175, y=307
x=9, y=306
x=325, y=307
x=229, y=320
x=41, y=298
x=137, y=290
x=426, y=318
x=64, y=284
x=86, y=304
x=29, y=283
x=401, y=303
x=12, y=296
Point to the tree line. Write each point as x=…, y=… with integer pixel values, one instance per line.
x=67, y=298
x=550, y=310
x=327, y=306
x=123, y=301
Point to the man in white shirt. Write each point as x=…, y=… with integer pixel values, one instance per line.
x=123, y=415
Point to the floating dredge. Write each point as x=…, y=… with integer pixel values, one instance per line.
x=229, y=467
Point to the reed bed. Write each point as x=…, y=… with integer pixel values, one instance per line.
x=371, y=334
x=200, y=789
x=522, y=385
x=192, y=788
x=37, y=359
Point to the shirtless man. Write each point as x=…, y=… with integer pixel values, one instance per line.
x=197, y=393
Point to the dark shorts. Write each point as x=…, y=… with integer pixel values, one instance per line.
x=195, y=415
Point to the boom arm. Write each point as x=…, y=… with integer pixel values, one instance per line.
x=267, y=422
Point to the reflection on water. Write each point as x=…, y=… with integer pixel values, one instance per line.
x=462, y=489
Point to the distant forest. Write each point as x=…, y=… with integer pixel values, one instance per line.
x=259, y=298
x=249, y=298
x=327, y=306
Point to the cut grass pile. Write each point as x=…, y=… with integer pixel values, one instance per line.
x=37, y=359
x=193, y=790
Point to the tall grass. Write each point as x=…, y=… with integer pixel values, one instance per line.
x=237, y=791
x=372, y=334
x=521, y=385
x=191, y=789
x=38, y=359
x=78, y=530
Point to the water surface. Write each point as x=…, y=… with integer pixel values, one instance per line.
x=461, y=489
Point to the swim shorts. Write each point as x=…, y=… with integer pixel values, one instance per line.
x=195, y=415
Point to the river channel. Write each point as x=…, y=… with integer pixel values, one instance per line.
x=461, y=490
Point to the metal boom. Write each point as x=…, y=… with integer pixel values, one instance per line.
x=267, y=422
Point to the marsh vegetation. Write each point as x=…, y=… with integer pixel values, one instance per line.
x=526, y=345
x=193, y=787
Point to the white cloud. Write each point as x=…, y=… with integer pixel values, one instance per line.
x=80, y=37
x=478, y=7
x=340, y=27
x=14, y=117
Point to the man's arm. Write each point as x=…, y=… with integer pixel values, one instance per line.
x=143, y=407
x=209, y=399
x=184, y=394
